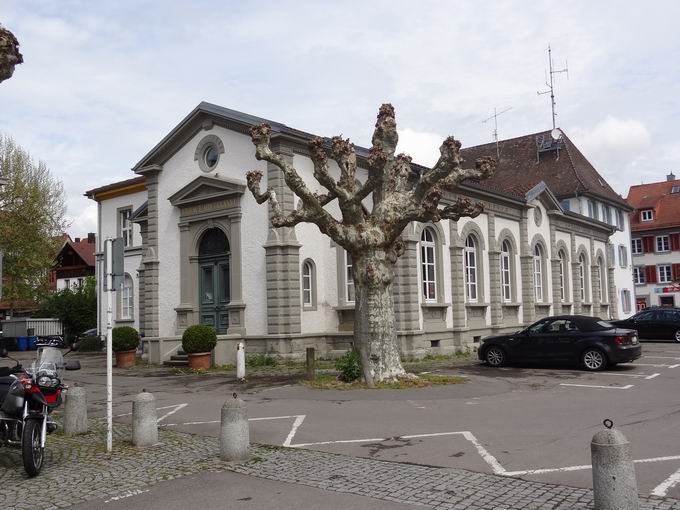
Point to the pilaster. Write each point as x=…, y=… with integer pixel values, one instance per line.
x=457, y=277
x=494, y=274
x=406, y=288
x=526, y=270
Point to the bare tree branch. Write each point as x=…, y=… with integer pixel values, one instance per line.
x=318, y=156
x=484, y=168
x=9, y=54
x=342, y=151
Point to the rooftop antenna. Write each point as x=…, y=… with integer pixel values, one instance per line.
x=495, y=127
x=550, y=83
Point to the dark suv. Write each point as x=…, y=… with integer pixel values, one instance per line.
x=656, y=323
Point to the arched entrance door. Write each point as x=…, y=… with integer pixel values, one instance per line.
x=213, y=278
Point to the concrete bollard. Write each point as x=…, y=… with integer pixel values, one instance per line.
x=240, y=362
x=144, y=422
x=234, y=432
x=614, y=482
x=75, y=411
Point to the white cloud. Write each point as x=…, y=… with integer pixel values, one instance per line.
x=423, y=147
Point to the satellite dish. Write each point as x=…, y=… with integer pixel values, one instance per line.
x=556, y=134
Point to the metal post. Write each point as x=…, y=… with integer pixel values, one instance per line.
x=310, y=365
x=108, y=254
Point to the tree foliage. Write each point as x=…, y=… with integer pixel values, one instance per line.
x=32, y=208
x=400, y=192
x=76, y=308
x=9, y=54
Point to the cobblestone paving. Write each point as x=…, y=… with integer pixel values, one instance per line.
x=78, y=469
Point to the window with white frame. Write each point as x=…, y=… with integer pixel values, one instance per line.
x=308, y=284
x=592, y=209
x=506, y=273
x=647, y=215
x=538, y=273
x=563, y=276
x=471, y=269
x=625, y=300
x=582, y=276
x=665, y=274
x=603, y=281
x=126, y=299
x=349, y=279
x=623, y=255
x=428, y=264
x=639, y=275
x=675, y=189
x=620, y=221
x=636, y=246
x=662, y=243
x=607, y=214
x=125, y=226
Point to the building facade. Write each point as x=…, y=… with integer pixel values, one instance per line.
x=199, y=249
x=74, y=263
x=655, y=221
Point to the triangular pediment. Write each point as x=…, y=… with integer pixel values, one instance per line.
x=542, y=193
x=205, y=189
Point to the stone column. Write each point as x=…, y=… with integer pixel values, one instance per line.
x=576, y=281
x=457, y=277
x=611, y=284
x=494, y=274
x=595, y=287
x=555, y=270
x=237, y=316
x=406, y=286
x=150, y=256
x=282, y=260
x=527, y=270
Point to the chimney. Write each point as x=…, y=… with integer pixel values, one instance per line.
x=77, y=239
x=91, y=238
x=670, y=177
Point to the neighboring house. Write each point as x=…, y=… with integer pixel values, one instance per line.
x=200, y=249
x=655, y=224
x=74, y=262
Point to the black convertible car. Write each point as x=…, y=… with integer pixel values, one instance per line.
x=589, y=341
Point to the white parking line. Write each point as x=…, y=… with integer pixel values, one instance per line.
x=170, y=413
x=662, y=489
x=657, y=365
x=661, y=357
x=585, y=466
x=628, y=375
x=626, y=387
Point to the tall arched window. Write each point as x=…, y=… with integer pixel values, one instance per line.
x=582, y=276
x=603, y=281
x=428, y=264
x=127, y=302
x=471, y=270
x=349, y=279
x=308, y=284
x=563, y=276
x=506, y=272
x=538, y=273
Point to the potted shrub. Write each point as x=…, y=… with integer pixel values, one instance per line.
x=125, y=341
x=198, y=341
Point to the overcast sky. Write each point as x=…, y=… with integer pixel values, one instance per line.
x=103, y=82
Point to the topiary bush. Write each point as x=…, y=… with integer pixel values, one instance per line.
x=124, y=338
x=199, y=338
x=349, y=366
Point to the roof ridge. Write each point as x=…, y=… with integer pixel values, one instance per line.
x=507, y=139
x=571, y=161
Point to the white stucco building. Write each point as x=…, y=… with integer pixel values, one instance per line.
x=200, y=248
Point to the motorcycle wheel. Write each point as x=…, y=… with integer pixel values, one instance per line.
x=31, y=450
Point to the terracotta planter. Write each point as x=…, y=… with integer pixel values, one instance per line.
x=199, y=360
x=126, y=359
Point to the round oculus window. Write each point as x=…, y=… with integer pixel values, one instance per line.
x=538, y=216
x=211, y=156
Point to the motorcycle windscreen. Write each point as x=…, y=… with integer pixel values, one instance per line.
x=49, y=361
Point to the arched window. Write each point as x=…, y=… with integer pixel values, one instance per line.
x=428, y=264
x=506, y=272
x=538, y=273
x=603, y=281
x=308, y=284
x=563, y=276
x=582, y=276
x=127, y=302
x=471, y=269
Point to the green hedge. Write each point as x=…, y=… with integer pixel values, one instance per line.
x=199, y=338
x=89, y=344
x=125, y=338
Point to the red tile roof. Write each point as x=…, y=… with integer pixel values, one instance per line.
x=520, y=167
x=656, y=196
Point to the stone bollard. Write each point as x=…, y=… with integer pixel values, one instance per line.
x=240, y=362
x=310, y=364
x=75, y=411
x=144, y=422
x=234, y=433
x=614, y=482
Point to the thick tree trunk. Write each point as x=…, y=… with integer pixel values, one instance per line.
x=375, y=330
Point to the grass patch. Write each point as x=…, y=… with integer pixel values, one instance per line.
x=261, y=360
x=330, y=382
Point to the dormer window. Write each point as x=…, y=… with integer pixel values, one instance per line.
x=675, y=189
x=647, y=215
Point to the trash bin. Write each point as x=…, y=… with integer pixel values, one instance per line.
x=31, y=342
x=22, y=343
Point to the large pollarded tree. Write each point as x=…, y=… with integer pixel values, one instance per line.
x=400, y=195
x=9, y=54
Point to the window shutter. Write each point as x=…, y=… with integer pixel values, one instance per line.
x=675, y=241
x=648, y=244
x=650, y=274
x=676, y=272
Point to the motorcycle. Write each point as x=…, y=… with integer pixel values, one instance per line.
x=51, y=341
x=27, y=398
